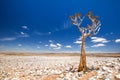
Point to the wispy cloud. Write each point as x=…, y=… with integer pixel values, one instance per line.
x=99, y=39
x=38, y=46
x=78, y=41
x=50, y=41
x=8, y=39
x=25, y=27
x=40, y=42
x=46, y=45
x=57, y=48
x=68, y=46
x=67, y=24
x=111, y=33
x=22, y=34
x=49, y=33
x=19, y=45
x=98, y=45
x=42, y=34
x=117, y=40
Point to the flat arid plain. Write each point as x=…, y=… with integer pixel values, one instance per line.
x=58, y=66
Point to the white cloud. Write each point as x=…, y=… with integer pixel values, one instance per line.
x=68, y=46
x=50, y=41
x=78, y=42
x=55, y=46
x=46, y=45
x=99, y=39
x=49, y=32
x=39, y=42
x=58, y=44
x=8, y=39
x=80, y=38
x=117, y=40
x=22, y=34
x=98, y=45
x=19, y=45
x=25, y=27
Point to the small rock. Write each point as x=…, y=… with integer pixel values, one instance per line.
x=58, y=78
x=15, y=79
x=105, y=68
x=61, y=76
x=109, y=77
x=6, y=78
x=117, y=77
x=74, y=78
x=91, y=68
x=97, y=67
x=38, y=73
x=68, y=76
x=68, y=69
x=100, y=74
x=92, y=78
x=76, y=74
x=57, y=72
x=109, y=65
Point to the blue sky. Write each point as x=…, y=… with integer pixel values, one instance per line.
x=45, y=26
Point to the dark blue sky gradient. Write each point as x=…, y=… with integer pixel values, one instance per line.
x=49, y=20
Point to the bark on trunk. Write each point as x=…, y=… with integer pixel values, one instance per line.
x=82, y=65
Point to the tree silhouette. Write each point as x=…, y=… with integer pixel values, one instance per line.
x=87, y=31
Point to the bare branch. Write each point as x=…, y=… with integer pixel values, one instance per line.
x=94, y=29
x=89, y=13
x=77, y=20
x=90, y=29
x=81, y=19
x=97, y=28
x=78, y=15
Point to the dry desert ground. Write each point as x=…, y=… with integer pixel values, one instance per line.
x=58, y=67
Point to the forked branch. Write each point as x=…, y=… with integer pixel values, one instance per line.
x=89, y=30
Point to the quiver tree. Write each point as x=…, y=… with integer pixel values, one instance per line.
x=87, y=31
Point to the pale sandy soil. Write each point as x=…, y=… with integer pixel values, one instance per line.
x=58, y=68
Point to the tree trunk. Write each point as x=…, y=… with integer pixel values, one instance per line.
x=82, y=65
